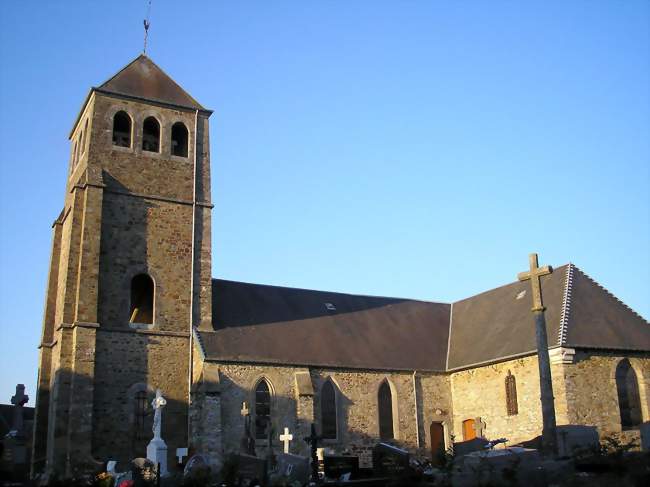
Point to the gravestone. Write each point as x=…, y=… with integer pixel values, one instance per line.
x=337, y=465
x=572, y=437
x=157, y=448
x=197, y=470
x=181, y=453
x=388, y=460
x=250, y=468
x=19, y=400
x=291, y=468
x=143, y=472
x=15, y=455
x=645, y=436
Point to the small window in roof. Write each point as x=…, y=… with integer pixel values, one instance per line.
x=330, y=307
x=151, y=135
x=122, y=129
x=179, y=139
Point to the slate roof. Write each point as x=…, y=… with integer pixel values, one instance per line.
x=278, y=325
x=142, y=78
x=273, y=324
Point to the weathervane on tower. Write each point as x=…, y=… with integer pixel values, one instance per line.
x=146, y=27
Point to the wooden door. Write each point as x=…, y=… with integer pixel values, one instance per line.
x=437, y=435
x=469, y=433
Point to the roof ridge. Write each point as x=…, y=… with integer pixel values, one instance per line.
x=293, y=288
x=566, y=306
x=611, y=294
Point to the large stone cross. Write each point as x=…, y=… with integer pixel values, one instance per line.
x=549, y=426
x=534, y=274
x=286, y=438
x=19, y=400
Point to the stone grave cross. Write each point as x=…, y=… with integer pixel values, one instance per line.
x=549, y=427
x=19, y=400
x=247, y=441
x=158, y=403
x=157, y=448
x=286, y=438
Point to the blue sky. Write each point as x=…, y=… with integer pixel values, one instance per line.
x=416, y=149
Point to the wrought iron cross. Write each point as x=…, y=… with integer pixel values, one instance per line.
x=534, y=274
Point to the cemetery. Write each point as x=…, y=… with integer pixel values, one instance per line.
x=482, y=463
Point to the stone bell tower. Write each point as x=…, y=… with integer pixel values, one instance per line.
x=130, y=273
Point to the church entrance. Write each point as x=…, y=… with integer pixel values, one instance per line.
x=437, y=435
x=469, y=432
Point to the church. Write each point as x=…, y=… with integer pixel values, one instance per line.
x=131, y=307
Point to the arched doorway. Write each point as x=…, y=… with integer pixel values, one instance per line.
x=437, y=435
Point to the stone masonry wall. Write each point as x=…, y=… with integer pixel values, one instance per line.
x=592, y=393
x=126, y=362
x=357, y=414
x=480, y=392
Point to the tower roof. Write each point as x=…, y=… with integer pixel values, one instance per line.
x=142, y=78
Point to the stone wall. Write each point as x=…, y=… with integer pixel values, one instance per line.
x=357, y=414
x=592, y=394
x=129, y=361
x=480, y=392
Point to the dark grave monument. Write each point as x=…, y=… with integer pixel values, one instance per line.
x=313, y=440
x=390, y=461
x=248, y=441
x=250, y=468
x=14, y=458
x=338, y=465
x=291, y=468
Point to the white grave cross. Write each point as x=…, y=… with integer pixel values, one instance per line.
x=158, y=403
x=286, y=438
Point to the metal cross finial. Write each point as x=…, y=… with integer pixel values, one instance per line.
x=146, y=27
x=534, y=274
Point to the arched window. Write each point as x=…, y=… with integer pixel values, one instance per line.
x=82, y=137
x=141, y=405
x=629, y=402
x=262, y=409
x=141, y=299
x=385, y=403
x=328, y=411
x=511, y=395
x=122, y=129
x=151, y=135
x=179, y=139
